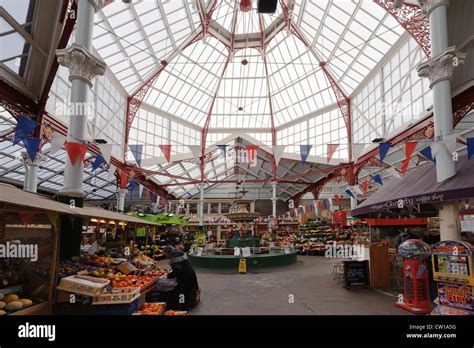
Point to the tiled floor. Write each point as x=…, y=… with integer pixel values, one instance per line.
x=309, y=284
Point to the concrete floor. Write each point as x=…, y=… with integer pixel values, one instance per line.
x=309, y=283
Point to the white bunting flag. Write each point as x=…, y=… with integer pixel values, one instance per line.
x=111, y=173
x=196, y=151
x=106, y=150
x=356, y=189
x=140, y=190
x=392, y=171
x=356, y=151
x=57, y=142
x=278, y=151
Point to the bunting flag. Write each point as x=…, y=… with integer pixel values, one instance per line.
x=196, y=151
x=123, y=179
x=349, y=192
x=304, y=152
x=393, y=172
x=338, y=199
x=252, y=152
x=356, y=151
x=32, y=147
x=378, y=179
x=26, y=216
x=409, y=148
x=147, y=195
x=57, y=142
x=223, y=149
x=365, y=186
x=426, y=153
x=137, y=152
x=166, y=149
x=152, y=197
x=99, y=160
x=315, y=208
x=24, y=127
x=106, y=151
x=383, y=150
x=470, y=147
x=278, y=151
x=133, y=184
x=75, y=150
x=111, y=173
x=450, y=142
x=140, y=190
x=163, y=202
x=331, y=148
x=325, y=204
x=320, y=205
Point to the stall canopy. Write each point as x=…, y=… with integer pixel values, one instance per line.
x=166, y=219
x=13, y=196
x=419, y=188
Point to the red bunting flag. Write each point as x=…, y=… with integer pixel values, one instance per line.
x=147, y=194
x=123, y=179
x=163, y=202
x=338, y=199
x=409, y=148
x=75, y=150
x=252, y=150
x=331, y=148
x=26, y=217
x=166, y=149
x=365, y=186
x=320, y=205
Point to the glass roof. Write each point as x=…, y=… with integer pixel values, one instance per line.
x=351, y=36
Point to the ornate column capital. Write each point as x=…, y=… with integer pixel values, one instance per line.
x=122, y=192
x=442, y=66
x=82, y=64
x=427, y=6
x=38, y=159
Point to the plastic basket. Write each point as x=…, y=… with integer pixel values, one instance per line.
x=117, y=296
x=83, y=285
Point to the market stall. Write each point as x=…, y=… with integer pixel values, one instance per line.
x=30, y=268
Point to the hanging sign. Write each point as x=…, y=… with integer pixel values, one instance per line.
x=246, y=252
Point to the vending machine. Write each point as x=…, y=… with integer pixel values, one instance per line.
x=453, y=271
x=416, y=296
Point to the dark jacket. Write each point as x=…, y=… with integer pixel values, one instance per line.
x=186, y=293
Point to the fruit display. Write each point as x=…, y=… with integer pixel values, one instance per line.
x=176, y=313
x=14, y=306
x=2, y=304
x=2, y=312
x=159, y=272
x=70, y=267
x=134, y=281
x=143, y=262
x=104, y=273
x=10, y=298
x=152, y=309
x=98, y=261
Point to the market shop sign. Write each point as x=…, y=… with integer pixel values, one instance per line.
x=408, y=201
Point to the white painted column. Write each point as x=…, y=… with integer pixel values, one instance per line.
x=252, y=207
x=353, y=203
x=439, y=70
x=83, y=67
x=121, y=193
x=201, y=204
x=31, y=171
x=274, y=199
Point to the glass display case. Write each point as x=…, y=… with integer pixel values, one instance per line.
x=28, y=258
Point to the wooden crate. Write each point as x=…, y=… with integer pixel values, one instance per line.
x=83, y=285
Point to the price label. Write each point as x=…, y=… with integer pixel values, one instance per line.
x=236, y=251
x=246, y=252
x=199, y=251
x=271, y=245
x=286, y=249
